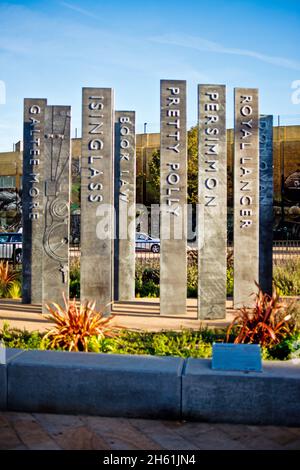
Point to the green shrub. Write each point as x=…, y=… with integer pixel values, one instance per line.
x=75, y=279
x=192, y=292
x=293, y=309
x=74, y=288
x=14, y=291
x=295, y=346
x=286, y=277
x=289, y=348
x=192, y=281
x=151, y=274
x=229, y=281
x=21, y=339
x=147, y=289
x=147, y=280
x=185, y=343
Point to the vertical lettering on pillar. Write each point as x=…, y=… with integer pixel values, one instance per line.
x=125, y=189
x=33, y=200
x=173, y=197
x=212, y=184
x=246, y=195
x=97, y=211
x=266, y=203
x=57, y=169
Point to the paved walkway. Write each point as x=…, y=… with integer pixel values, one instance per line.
x=47, y=432
x=141, y=314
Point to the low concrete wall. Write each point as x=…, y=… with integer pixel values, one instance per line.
x=269, y=397
x=3, y=387
x=95, y=384
x=148, y=387
x=10, y=354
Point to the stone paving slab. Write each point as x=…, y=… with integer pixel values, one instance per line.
x=49, y=431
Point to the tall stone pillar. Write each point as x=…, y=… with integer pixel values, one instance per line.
x=57, y=175
x=125, y=190
x=246, y=196
x=212, y=184
x=266, y=203
x=33, y=199
x=173, y=198
x=97, y=197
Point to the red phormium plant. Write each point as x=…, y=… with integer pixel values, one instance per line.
x=75, y=324
x=266, y=324
x=7, y=277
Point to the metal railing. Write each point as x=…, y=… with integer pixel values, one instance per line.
x=11, y=252
x=149, y=253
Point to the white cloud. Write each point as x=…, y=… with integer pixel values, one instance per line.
x=201, y=44
x=77, y=9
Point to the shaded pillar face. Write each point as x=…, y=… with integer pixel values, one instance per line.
x=33, y=200
x=173, y=198
x=125, y=190
x=97, y=211
x=246, y=196
x=57, y=171
x=212, y=211
x=266, y=203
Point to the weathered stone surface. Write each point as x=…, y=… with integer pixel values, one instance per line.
x=33, y=199
x=8, y=355
x=160, y=433
x=173, y=197
x=57, y=170
x=97, y=211
x=212, y=184
x=239, y=397
x=3, y=387
x=125, y=190
x=33, y=436
x=74, y=432
x=108, y=385
x=120, y=433
x=8, y=436
x=266, y=203
x=246, y=196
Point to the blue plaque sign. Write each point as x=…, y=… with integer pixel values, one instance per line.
x=239, y=357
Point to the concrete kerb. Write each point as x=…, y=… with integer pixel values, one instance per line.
x=148, y=387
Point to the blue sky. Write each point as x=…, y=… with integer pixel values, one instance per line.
x=52, y=49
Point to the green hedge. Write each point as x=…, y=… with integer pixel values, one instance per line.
x=186, y=343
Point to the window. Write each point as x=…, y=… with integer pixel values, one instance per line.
x=142, y=237
x=7, y=182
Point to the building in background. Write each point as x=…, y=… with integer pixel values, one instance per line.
x=286, y=151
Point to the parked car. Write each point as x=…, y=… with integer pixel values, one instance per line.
x=11, y=247
x=144, y=242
